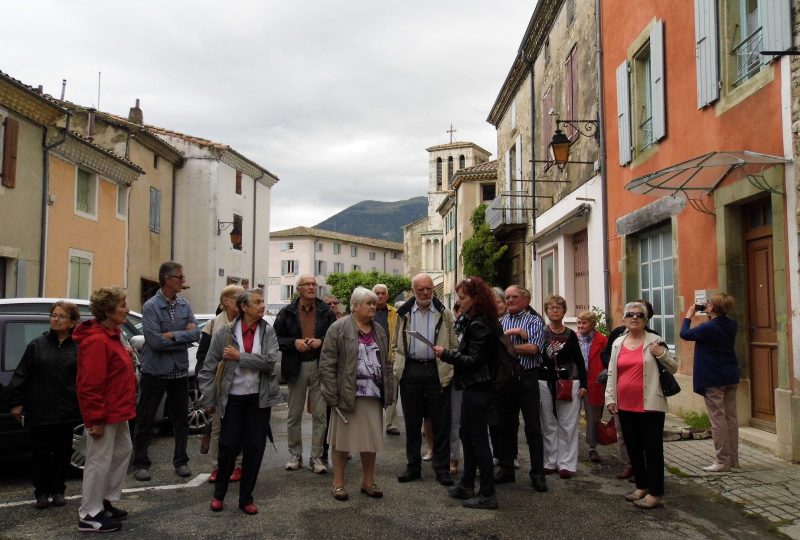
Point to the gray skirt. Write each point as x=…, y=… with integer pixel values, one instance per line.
x=364, y=430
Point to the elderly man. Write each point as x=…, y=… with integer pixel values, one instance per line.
x=332, y=302
x=527, y=334
x=425, y=380
x=386, y=316
x=169, y=329
x=301, y=327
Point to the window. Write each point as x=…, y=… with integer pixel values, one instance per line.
x=290, y=267
x=356, y=268
x=656, y=280
x=548, y=269
x=337, y=248
x=321, y=268
x=580, y=264
x=287, y=291
x=462, y=161
x=86, y=194
x=438, y=174
x=488, y=192
x=449, y=171
x=338, y=267
x=147, y=289
x=397, y=255
x=155, y=161
x=122, y=201
x=395, y=272
x=238, y=182
x=155, y=210
x=238, y=222
x=287, y=246
x=353, y=251
x=80, y=274
x=9, y=134
x=372, y=255
x=318, y=247
x=642, y=99
x=571, y=87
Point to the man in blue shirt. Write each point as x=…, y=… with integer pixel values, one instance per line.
x=169, y=330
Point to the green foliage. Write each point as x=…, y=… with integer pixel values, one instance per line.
x=602, y=322
x=697, y=420
x=675, y=471
x=482, y=252
x=342, y=285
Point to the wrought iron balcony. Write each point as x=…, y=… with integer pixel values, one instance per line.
x=510, y=209
x=748, y=59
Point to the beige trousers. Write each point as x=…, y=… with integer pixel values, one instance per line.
x=391, y=410
x=105, y=469
x=306, y=388
x=721, y=405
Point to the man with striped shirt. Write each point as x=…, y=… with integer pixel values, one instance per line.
x=526, y=331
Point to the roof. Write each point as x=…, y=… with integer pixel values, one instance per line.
x=207, y=143
x=481, y=171
x=20, y=90
x=108, y=153
x=322, y=233
x=454, y=145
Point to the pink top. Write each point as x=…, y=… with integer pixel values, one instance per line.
x=630, y=379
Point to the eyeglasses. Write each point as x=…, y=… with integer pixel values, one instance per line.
x=635, y=315
x=554, y=308
x=333, y=303
x=59, y=317
x=181, y=277
x=307, y=285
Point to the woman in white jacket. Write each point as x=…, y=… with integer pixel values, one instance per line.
x=634, y=392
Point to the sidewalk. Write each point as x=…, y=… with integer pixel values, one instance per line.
x=764, y=484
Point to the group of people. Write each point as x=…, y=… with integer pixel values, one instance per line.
x=345, y=371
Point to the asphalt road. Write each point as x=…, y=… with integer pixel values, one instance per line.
x=298, y=504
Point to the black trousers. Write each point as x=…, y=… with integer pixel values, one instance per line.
x=244, y=429
x=644, y=438
x=522, y=396
x=151, y=390
x=51, y=447
x=422, y=395
x=476, y=409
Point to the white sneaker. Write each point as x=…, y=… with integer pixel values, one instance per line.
x=295, y=463
x=316, y=465
x=717, y=467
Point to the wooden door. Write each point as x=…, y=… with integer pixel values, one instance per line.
x=763, y=345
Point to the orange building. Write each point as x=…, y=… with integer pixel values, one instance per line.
x=87, y=218
x=696, y=134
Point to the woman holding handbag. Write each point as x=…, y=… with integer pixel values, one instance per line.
x=562, y=386
x=634, y=392
x=238, y=378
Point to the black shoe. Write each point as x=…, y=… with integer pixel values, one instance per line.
x=539, y=483
x=42, y=502
x=503, y=477
x=444, y=478
x=114, y=512
x=98, y=523
x=58, y=499
x=481, y=502
x=460, y=492
x=409, y=476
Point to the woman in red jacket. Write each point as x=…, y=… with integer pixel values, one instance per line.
x=106, y=388
x=592, y=344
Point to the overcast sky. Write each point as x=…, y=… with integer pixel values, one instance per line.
x=339, y=99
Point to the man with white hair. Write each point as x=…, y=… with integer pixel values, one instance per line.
x=425, y=380
x=386, y=316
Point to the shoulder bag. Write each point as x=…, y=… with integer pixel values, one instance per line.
x=669, y=386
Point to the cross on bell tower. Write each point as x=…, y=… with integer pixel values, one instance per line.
x=451, y=131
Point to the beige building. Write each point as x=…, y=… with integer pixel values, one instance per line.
x=27, y=132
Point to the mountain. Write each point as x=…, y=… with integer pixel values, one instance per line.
x=376, y=219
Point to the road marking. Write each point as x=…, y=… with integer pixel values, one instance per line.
x=197, y=481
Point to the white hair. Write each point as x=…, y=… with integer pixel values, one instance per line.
x=361, y=295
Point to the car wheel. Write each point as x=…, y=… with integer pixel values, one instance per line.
x=198, y=418
x=78, y=459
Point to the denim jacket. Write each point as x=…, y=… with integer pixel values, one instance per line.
x=162, y=356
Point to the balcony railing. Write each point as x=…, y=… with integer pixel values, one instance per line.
x=748, y=57
x=509, y=209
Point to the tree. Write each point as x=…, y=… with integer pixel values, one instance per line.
x=482, y=252
x=342, y=285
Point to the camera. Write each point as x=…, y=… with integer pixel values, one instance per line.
x=700, y=308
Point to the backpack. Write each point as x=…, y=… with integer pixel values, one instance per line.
x=506, y=365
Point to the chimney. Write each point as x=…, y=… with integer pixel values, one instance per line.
x=90, y=127
x=135, y=115
x=39, y=89
x=63, y=88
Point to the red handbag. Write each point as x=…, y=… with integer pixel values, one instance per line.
x=564, y=389
x=607, y=432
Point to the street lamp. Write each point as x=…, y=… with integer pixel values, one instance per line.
x=236, y=233
x=560, y=143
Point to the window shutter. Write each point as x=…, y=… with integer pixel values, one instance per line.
x=776, y=17
x=706, y=51
x=10, y=153
x=657, y=80
x=296, y=266
x=508, y=171
x=283, y=267
x=518, y=164
x=623, y=114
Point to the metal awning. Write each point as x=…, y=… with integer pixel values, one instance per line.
x=700, y=176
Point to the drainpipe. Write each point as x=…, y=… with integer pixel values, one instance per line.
x=172, y=217
x=253, y=283
x=533, y=173
x=603, y=160
x=46, y=197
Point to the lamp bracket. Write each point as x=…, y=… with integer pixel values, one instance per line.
x=223, y=225
x=587, y=128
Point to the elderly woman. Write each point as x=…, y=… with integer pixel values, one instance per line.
x=43, y=389
x=238, y=379
x=106, y=387
x=473, y=374
x=716, y=376
x=355, y=381
x=634, y=392
x=592, y=344
x=559, y=413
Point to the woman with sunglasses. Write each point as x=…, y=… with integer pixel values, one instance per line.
x=634, y=392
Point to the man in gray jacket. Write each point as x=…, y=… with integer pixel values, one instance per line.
x=169, y=330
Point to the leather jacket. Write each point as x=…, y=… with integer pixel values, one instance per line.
x=475, y=354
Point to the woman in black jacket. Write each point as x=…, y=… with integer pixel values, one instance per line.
x=43, y=390
x=473, y=373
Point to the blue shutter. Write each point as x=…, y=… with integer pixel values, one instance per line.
x=296, y=267
x=776, y=18
x=706, y=51
x=284, y=267
x=623, y=114
x=657, y=90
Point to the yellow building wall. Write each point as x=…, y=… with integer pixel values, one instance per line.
x=105, y=238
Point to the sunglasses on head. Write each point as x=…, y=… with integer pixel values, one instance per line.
x=635, y=315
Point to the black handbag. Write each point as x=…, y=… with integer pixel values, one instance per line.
x=669, y=386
